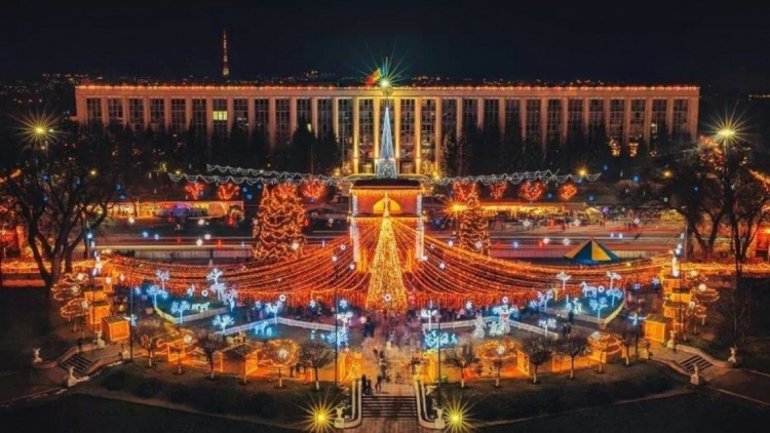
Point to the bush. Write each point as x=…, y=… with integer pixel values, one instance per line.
x=148, y=388
x=116, y=381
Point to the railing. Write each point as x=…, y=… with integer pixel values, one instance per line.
x=423, y=418
x=281, y=320
x=190, y=317
x=355, y=405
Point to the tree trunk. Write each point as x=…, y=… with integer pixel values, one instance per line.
x=534, y=375
x=149, y=359
x=317, y=384
x=462, y=378
x=572, y=367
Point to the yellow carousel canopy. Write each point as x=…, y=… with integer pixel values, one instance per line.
x=591, y=252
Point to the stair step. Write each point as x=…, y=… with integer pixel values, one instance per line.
x=690, y=363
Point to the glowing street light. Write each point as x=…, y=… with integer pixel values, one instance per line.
x=726, y=133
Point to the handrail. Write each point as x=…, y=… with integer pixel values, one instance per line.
x=356, y=415
x=422, y=414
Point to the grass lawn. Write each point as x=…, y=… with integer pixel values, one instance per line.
x=257, y=399
x=520, y=398
x=701, y=412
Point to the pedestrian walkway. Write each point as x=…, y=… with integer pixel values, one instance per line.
x=392, y=411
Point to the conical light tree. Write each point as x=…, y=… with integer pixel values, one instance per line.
x=279, y=223
x=474, y=227
x=386, y=286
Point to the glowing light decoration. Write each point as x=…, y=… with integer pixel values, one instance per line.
x=573, y=305
x=613, y=276
x=273, y=308
x=279, y=223
x=216, y=286
x=180, y=308
x=563, y=277
x=463, y=191
x=223, y=321
x=546, y=324
x=497, y=190
x=227, y=191
x=428, y=313
x=479, y=328
x=191, y=291
x=195, y=189
x=313, y=190
x=531, y=191
x=589, y=290
x=543, y=298
x=473, y=232
x=230, y=297
x=502, y=326
x=386, y=278
x=567, y=191
x=155, y=291
x=614, y=294
x=162, y=276
x=432, y=339
x=636, y=318
x=598, y=305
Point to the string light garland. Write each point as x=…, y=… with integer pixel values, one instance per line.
x=386, y=287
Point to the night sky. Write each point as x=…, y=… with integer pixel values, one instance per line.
x=724, y=44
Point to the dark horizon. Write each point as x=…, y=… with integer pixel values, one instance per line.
x=668, y=43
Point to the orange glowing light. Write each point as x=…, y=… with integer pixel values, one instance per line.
x=227, y=191
x=195, y=189
x=531, y=191
x=496, y=190
x=567, y=191
x=313, y=190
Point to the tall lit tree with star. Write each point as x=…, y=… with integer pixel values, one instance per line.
x=279, y=223
x=474, y=227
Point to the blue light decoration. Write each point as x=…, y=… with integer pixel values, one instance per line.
x=591, y=198
x=516, y=244
x=636, y=178
x=89, y=236
x=598, y=305
x=156, y=236
x=431, y=339
x=145, y=234
x=605, y=168
x=249, y=196
x=245, y=189
x=550, y=195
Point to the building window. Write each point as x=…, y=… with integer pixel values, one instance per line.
x=241, y=113
x=407, y=130
x=136, y=113
x=470, y=112
x=533, y=119
x=448, y=118
x=345, y=131
x=157, y=113
x=93, y=110
x=491, y=113
x=219, y=116
x=679, y=123
x=282, y=133
x=513, y=116
x=617, y=116
x=178, y=115
x=198, y=121
x=636, y=127
x=325, y=121
x=261, y=113
x=658, y=120
x=553, y=127
x=595, y=115
x=428, y=135
x=574, y=118
x=303, y=112
x=114, y=111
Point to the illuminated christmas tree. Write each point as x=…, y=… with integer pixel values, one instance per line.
x=279, y=223
x=386, y=286
x=474, y=227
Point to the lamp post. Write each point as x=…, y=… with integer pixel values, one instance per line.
x=336, y=323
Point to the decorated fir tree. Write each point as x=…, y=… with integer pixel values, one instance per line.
x=278, y=226
x=474, y=227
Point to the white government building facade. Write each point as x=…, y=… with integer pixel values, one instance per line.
x=423, y=116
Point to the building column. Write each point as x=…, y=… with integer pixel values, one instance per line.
x=230, y=114
x=356, y=132
x=586, y=115
x=187, y=113
x=105, y=115
x=314, y=115
x=124, y=107
x=523, y=118
x=167, y=113
x=564, y=120
x=480, y=113
x=397, y=131
x=501, y=117
x=146, y=112
x=692, y=120
x=336, y=119
x=251, y=116
x=670, y=116
x=438, y=129
x=80, y=109
x=292, y=116
x=209, y=116
x=606, y=107
x=417, y=135
x=459, y=120
x=272, y=122
x=376, y=126
x=626, y=120
x=647, y=123
x=543, y=122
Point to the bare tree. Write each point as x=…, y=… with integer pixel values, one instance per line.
x=316, y=355
x=539, y=350
x=461, y=359
x=572, y=346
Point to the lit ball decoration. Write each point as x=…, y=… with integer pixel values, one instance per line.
x=566, y=242
x=207, y=236
x=546, y=240
x=531, y=190
x=567, y=191
x=131, y=220
x=201, y=222
x=199, y=242
x=478, y=245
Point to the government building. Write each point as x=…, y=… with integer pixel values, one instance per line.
x=423, y=115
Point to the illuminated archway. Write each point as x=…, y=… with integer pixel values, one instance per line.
x=393, y=207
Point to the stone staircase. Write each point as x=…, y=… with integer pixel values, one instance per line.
x=80, y=363
x=690, y=363
x=389, y=406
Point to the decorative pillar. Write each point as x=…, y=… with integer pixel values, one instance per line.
x=124, y=107
x=417, y=135
x=626, y=121
x=230, y=114
x=419, y=241
x=187, y=113
x=356, y=124
x=564, y=120
x=480, y=113
x=376, y=126
x=692, y=113
x=209, y=117
x=501, y=117
x=105, y=114
x=397, y=131
x=336, y=118
x=146, y=112
x=314, y=115
x=670, y=116
x=459, y=120
x=251, y=116
x=523, y=118
x=586, y=117
x=543, y=123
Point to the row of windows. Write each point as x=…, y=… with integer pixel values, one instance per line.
x=601, y=113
